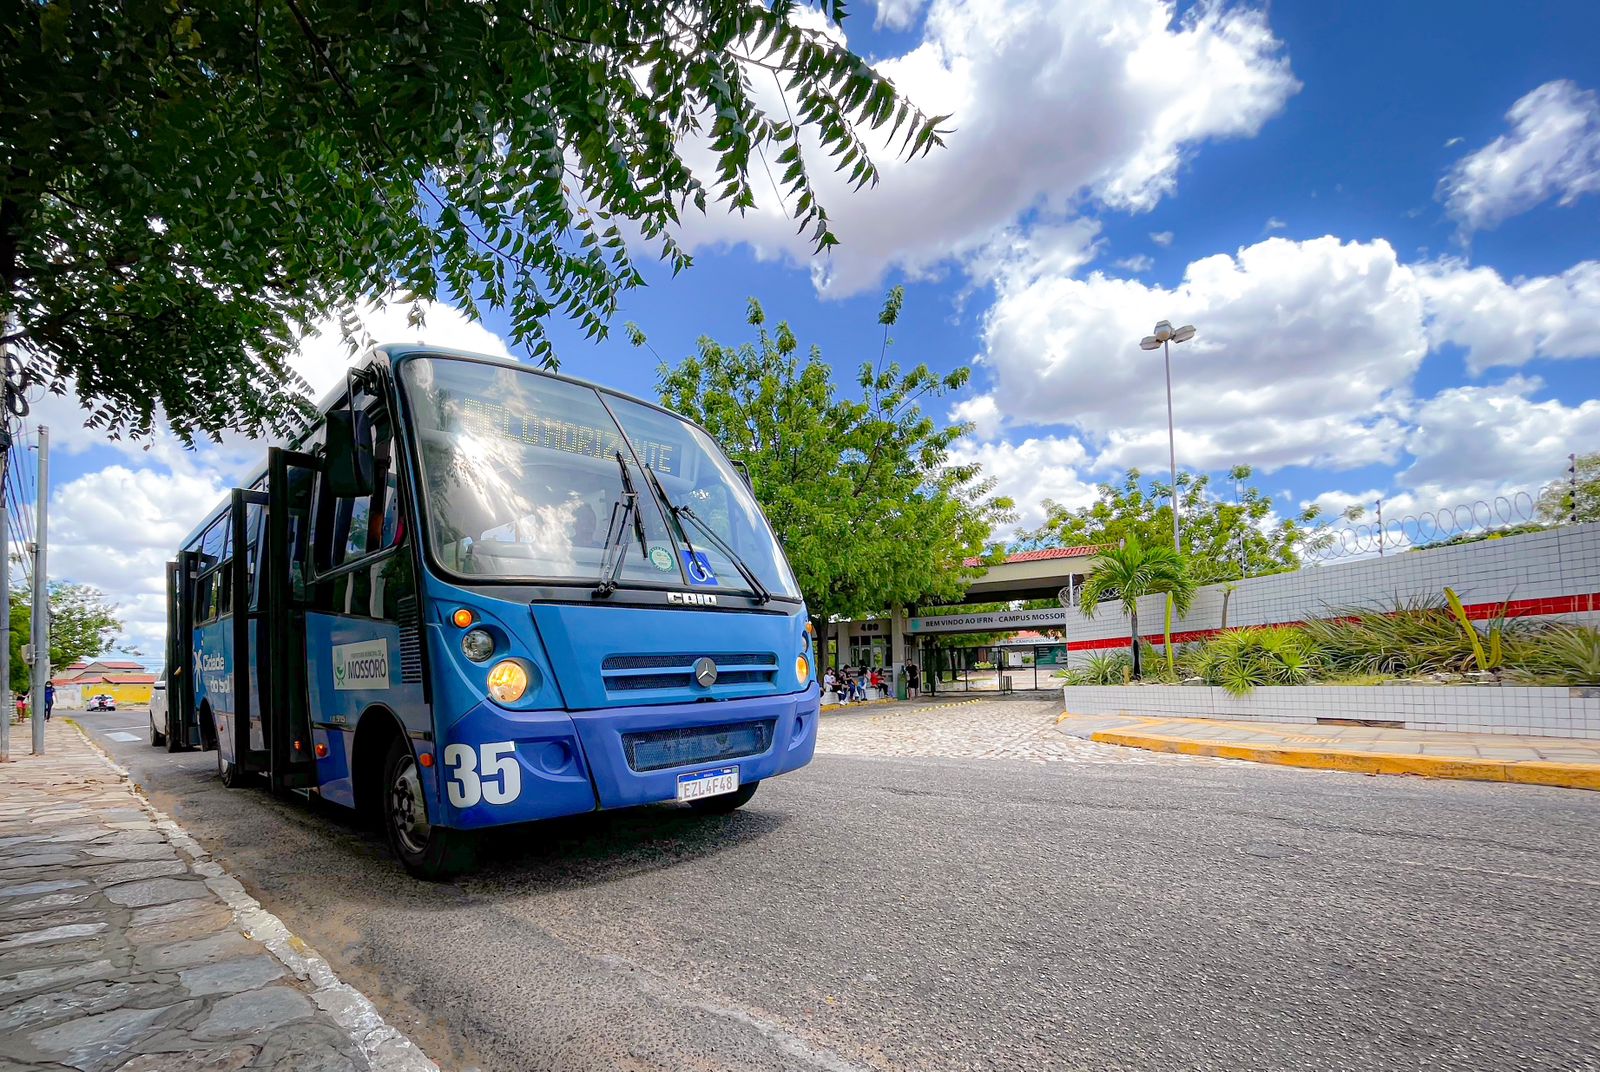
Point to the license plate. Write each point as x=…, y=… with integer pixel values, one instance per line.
x=707, y=783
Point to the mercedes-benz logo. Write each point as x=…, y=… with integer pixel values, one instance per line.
x=705, y=672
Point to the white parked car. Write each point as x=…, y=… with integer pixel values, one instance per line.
x=158, y=713
x=102, y=702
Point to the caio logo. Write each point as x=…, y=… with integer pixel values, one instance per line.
x=361, y=666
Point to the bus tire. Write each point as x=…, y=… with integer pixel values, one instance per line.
x=232, y=777
x=723, y=803
x=428, y=852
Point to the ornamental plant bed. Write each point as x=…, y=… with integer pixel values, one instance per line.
x=1423, y=644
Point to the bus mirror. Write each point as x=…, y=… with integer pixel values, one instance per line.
x=744, y=471
x=351, y=466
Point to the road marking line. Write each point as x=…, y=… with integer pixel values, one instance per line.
x=118, y=735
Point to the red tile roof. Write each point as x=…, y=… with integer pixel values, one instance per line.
x=1044, y=554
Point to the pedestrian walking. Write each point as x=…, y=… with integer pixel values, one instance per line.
x=911, y=677
x=49, y=700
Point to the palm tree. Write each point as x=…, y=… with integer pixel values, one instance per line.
x=1125, y=573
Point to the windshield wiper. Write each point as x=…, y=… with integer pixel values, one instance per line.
x=684, y=513
x=616, y=551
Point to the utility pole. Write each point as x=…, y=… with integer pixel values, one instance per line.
x=41, y=599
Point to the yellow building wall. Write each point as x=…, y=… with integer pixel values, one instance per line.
x=123, y=694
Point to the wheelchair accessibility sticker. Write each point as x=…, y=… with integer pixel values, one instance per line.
x=698, y=567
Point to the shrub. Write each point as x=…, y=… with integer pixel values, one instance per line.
x=1418, y=636
x=1103, y=668
x=1239, y=661
x=1564, y=654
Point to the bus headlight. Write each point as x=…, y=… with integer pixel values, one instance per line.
x=477, y=645
x=508, y=681
x=802, y=669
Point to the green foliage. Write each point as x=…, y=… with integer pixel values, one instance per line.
x=1558, y=505
x=1564, y=654
x=1223, y=540
x=861, y=491
x=82, y=625
x=1246, y=658
x=1413, y=637
x=1102, y=668
x=1489, y=661
x=184, y=186
x=1131, y=571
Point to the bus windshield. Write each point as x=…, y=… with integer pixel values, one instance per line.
x=522, y=480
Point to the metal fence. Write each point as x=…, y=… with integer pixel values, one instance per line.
x=1383, y=535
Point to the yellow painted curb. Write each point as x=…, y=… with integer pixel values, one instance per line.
x=1524, y=772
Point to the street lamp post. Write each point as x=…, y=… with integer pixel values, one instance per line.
x=1164, y=337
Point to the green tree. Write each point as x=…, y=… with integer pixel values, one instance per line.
x=82, y=625
x=1223, y=539
x=1559, y=503
x=184, y=185
x=861, y=491
x=1132, y=570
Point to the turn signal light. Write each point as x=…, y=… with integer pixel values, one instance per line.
x=463, y=617
x=322, y=751
x=802, y=669
x=508, y=681
x=425, y=759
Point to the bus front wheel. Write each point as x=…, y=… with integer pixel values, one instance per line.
x=427, y=851
x=723, y=803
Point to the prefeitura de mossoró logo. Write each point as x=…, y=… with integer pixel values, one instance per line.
x=361, y=666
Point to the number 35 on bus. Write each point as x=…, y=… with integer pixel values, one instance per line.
x=474, y=594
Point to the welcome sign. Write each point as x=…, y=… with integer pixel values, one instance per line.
x=994, y=622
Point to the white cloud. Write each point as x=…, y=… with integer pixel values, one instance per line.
x=897, y=14
x=1552, y=151
x=1030, y=472
x=1275, y=224
x=1304, y=355
x=1510, y=323
x=116, y=527
x=1478, y=441
x=1161, y=238
x=1051, y=103
x=1139, y=262
x=983, y=413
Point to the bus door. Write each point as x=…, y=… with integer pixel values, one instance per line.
x=286, y=592
x=183, y=727
x=249, y=636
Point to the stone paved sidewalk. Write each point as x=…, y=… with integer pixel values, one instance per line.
x=124, y=947
x=1019, y=728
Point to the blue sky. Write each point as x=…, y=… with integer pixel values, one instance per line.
x=1382, y=218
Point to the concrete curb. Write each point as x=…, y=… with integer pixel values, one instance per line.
x=385, y=1048
x=1523, y=772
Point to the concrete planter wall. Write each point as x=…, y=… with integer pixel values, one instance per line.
x=1541, y=712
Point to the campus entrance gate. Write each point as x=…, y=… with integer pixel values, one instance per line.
x=991, y=668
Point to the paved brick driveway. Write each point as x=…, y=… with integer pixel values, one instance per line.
x=978, y=729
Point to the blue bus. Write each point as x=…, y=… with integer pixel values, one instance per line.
x=474, y=594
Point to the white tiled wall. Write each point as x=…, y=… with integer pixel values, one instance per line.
x=1555, y=562
x=1540, y=712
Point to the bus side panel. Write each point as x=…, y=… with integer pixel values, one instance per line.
x=352, y=666
x=213, y=679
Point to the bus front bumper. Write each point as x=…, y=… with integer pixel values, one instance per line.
x=568, y=763
x=789, y=724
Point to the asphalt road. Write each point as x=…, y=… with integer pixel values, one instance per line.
x=964, y=914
